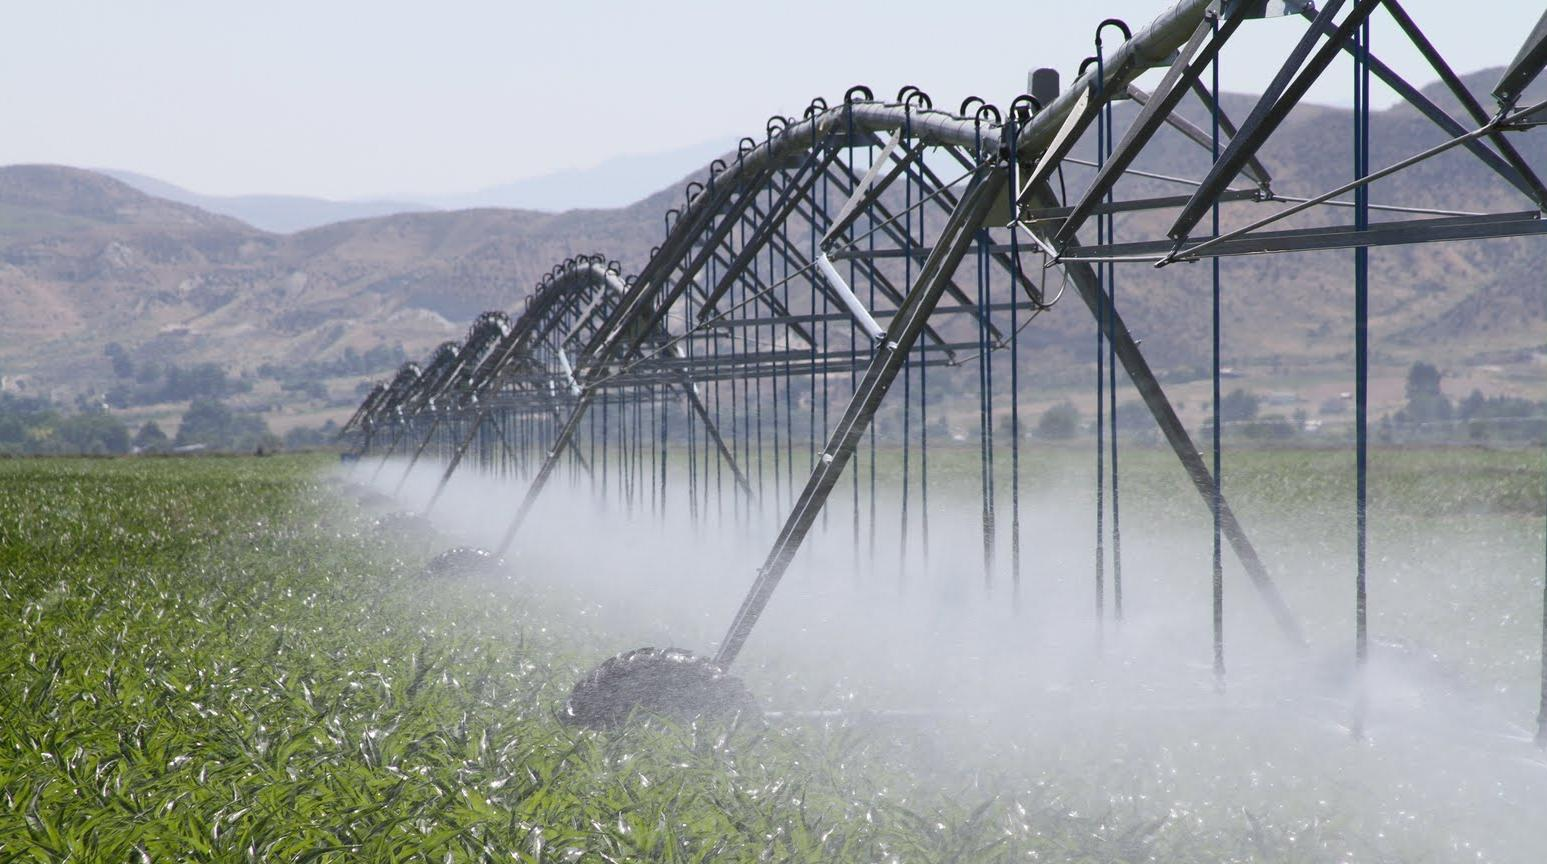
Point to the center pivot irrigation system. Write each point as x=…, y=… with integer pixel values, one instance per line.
x=823, y=264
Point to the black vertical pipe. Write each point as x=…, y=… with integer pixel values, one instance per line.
x=891, y=353
x=1361, y=360
x=853, y=340
x=907, y=374
x=773, y=346
x=1541, y=710
x=1101, y=316
x=923, y=434
x=1218, y=585
x=870, y=243
x=1010, y=128
x=1111, y=280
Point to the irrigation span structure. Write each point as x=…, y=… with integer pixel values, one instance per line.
x=801, y=279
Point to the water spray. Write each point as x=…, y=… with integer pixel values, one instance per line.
x=792, y=262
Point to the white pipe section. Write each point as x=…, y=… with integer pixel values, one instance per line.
x=569, y=372
x=856, y=308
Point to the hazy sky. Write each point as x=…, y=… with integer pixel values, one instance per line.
x=352, y=99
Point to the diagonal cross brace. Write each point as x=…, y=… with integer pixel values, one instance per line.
x=1201, y=49
x=1089, y=287
x=566, y=438
x=956, y=237
x=1277, y=100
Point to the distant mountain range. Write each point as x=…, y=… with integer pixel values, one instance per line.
x=281, y=214
x=86, y=259
x=615, y=182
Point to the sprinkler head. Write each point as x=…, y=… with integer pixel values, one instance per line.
x=461, y=562
x=666, y=682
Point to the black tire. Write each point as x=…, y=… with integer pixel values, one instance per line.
x=664, y=682
x=462, y=562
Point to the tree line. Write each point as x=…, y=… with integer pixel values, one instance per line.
x=31, y=426
x=1427, y=415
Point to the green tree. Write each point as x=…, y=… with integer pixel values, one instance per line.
x=1060, y=421
x=1134, y=417
x=1238, y=406
x=96, y=434
x=1425, y=401
x=147, y=373
x=1270, y=426
x=205, y=422
x=150, y=438
x=123, y=367
x=216, y=426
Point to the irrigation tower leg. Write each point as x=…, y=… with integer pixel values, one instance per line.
x=456, y=458
x=429, y=435
x=550, y=461
x=397, y=433
x=367, y=434
x=714, y=435
x=467, y=440
x=566, y=437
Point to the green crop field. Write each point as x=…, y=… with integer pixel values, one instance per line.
x=219, y=659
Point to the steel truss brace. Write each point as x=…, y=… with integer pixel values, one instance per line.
x=1397, y=233
x=482, y=415
x=868, y=190
x=1201, y=49
x=888, y=226
x=1254, y=169
x=801, y=367
x=956, y=237
x=1514, y=168
x=566, y=438
x=791, y=196
x=1116, y=331
x=418, y=451
x=399, y=426
x=948, y=201
x=1526, y=65
x=1479, y=224
x=788, y=249
x=835, y=317
x=1275, y=104
x=359, y=418
x=691, y=392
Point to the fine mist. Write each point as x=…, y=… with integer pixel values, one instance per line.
x=1031, y=693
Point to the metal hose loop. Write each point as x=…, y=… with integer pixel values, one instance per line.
x=1024, y=107
x=1113, y=22
x=912, y=96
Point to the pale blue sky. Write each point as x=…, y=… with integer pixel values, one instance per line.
x=353, y=99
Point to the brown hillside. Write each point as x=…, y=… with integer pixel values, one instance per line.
x=85, y=259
